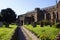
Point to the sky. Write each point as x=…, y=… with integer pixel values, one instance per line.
x=23, y=6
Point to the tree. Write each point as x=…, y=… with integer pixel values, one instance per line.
x=0, y=17
x=9, y=16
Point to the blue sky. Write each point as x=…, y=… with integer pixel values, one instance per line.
x=23, y=6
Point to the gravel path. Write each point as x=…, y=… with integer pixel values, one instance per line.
x=30, y=34
x=22, y=33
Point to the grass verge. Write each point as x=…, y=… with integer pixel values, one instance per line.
x=6, y=33
x=44, y=33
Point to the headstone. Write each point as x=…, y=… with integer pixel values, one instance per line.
x=1, y=24
x=42, y=24
x=58, y=25
x=34, y=24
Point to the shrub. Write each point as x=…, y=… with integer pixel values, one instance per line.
x=46, y=22
x=58, y=25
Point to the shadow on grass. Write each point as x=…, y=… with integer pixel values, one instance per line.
x=9, y=27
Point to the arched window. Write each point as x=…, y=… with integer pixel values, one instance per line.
x=41, y=15
x=54, y=16
x=57, y=15
x=32, y=18
x=48, y=16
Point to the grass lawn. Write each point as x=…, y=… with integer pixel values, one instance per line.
x=6, y=33
x=46, y=32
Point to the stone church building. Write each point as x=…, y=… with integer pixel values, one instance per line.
x=51, y=13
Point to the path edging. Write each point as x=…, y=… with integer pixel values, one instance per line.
x=31, y=34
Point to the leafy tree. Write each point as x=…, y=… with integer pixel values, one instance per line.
x=9, y=16
x=0, y=17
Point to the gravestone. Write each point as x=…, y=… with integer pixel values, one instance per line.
x=58, y=25
x=1, y=24
x=42, y=24
x=34, y=24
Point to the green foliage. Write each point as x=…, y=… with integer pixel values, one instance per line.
x=46, y=22
x=58, y=25
x=8, y=16
x=44, y=33
x=6, y=33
